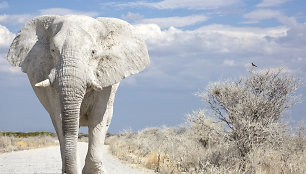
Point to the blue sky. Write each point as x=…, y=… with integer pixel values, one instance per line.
x=191, y=43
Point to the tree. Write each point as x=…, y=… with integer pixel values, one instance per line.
x=252, y=107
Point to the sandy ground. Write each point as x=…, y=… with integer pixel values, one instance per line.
x=48, y=160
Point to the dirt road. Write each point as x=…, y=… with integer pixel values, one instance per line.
x=47, y=160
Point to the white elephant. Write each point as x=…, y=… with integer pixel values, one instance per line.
x=74, y=64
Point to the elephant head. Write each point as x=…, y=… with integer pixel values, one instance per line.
x=73, y=54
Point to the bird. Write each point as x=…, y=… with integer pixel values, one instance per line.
x=253, y=65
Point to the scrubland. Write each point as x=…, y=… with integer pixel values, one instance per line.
x=15, y=141
x=242, y=130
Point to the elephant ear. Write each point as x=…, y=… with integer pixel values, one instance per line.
x=31, y=45
x=124, y=52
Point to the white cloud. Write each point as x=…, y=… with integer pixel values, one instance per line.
x=174, y=21
x=227, y=62
x=15, y=19
x=20, y=19
x=65, y=11
x=174, y=4
x=213, y=38
x=262, y=14
x=269, y=3
x=295, y=35
x=155, y=36
x=5, y=67
x=187, y=58
x=3, y=4
x=6, y=37
x=194, y=4
x=132, y=16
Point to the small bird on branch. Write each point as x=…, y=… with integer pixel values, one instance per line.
x=253, y=65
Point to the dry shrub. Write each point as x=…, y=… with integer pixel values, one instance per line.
x=162, y=149
x=14, y=142
x=242, y=132
x=252, y=106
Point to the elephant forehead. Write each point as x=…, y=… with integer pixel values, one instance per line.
x=73, y=41
x=73, y=36
x=85, y=23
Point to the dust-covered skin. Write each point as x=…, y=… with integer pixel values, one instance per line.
x=75, y=64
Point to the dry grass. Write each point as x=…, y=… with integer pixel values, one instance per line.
x=15, y=141
x=179, y=150
x=24, y=141
x=83, y=137
x=159, y=149
x=243, y=133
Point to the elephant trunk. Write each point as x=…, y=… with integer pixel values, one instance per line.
x=70, y=121
x=72, y=88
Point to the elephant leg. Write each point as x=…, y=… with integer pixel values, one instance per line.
x=57, y=123
x=99, y=121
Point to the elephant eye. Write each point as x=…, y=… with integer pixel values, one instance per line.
x=93, y=52
x=52, y=50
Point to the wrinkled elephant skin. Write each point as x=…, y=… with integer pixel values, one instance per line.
x=75, y=64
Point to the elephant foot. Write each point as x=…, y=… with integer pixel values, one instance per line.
x=93, y=171
x=92, y=167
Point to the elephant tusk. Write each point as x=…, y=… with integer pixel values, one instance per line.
x=96, y=86
x=43, y=84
